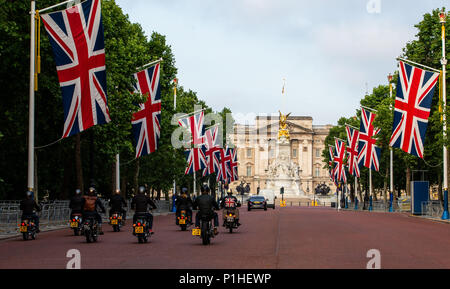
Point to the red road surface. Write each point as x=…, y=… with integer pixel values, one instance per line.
x=285, y=238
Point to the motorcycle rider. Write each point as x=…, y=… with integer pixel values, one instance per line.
x=140, y=204
x=206, y=206
x=76, y=203
x=229, y=204
x=116, y=202
x=89, y=207
x=184, y=202
x=28, y=205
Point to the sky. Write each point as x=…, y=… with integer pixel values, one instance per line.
x=236, y=53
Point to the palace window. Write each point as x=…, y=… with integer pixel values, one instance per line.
x=317, y=153
x=249, y=153
x=317, y=172
x=249, y=171
x=294, y=153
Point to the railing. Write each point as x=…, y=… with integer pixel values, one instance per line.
x=433, y=209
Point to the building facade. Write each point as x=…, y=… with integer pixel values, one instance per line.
x=256, y=146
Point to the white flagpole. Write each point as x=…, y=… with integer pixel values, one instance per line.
x=31, y=104
x=445, y=214
x=175, y=109
x=391, y=157
x=117, y=173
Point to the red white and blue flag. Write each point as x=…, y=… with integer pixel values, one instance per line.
x=225, y=159
x=368, y=152
x=194, y=124
x=415, y=90
x=339, y=170
x=195, y=157
x=147, y=122
x=212, y=152
x=352, y=151
x=76, y=36
x=330, y=164
x=233, y=166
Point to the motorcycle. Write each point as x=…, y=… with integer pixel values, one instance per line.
x=91, y=229
x=230, y=221
x=206, y=231
x=75, y=224
x=141, y=229
x=28, y=229
x=183, y=220
x=116, y=220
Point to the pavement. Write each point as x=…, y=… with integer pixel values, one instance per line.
x=284, y=238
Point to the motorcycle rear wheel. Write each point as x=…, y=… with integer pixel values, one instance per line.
x=183, y=227
x=25, y=236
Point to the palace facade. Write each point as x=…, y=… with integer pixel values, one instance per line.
x=256, y=145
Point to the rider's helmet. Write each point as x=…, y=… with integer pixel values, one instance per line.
x=92, y=191
x=29, y=194
x=204, y=189
x=141, y=190
x=77, y=192
x=230, y=192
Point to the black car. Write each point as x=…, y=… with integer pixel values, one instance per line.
x=257, y=202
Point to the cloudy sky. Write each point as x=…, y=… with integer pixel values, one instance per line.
x=236, y=53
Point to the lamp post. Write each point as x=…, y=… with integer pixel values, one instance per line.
x=442, y=16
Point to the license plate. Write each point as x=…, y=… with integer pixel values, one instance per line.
x=74, y=224
x=257, y=203
x=139, y=230
x=196, y=232
x=114, y=222
x=23, y=229
x=230, y=219
x=182, y=221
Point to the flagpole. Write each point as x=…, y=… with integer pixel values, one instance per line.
x=117, y=173
x=391, y=158
x=442, y=16
x=31, y=103
x=175, y=109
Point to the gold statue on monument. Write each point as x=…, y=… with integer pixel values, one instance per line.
x=283, y=131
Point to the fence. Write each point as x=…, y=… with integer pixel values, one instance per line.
x=432, y=209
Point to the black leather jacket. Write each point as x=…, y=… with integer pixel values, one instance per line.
x=206, y=204
x=141, y=202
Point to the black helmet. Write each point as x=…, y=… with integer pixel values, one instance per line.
x=204, y=189
x=141, y=190
x=29, y=194
x=92, y=190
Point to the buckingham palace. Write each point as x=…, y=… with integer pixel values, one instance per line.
x=257, y=143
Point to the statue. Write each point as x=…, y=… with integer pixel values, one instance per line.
x=283, y=131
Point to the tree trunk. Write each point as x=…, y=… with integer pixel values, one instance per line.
x=113, y=178
x=78, y=167
x=158, y=195
x=408, y=181
x=385, y=190
x=36, y=188
x=67, y=177
x=360, y=192
x=440, y=194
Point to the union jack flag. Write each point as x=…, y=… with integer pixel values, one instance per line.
x=196, y=160
x=330, y=164
x=212, y=153
x=194, y=124
x=233, y=166
x=225, y=159
x=352, y=150
x=76, y=36
x=339, y=171
x=415, y=91
x=147, y=122
x=368, y=152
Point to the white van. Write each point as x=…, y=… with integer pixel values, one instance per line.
x=270, y=197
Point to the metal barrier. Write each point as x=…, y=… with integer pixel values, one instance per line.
x=432, y=209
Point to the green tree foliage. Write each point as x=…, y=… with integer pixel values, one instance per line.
x=127, y=48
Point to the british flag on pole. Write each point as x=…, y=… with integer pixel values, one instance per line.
x=76, y=36
x=233, y=165
x=339, y=169
x=225, y=159
x=147, y=122
x=195, y=156
x=352, y=150
x=415, y=90
x=330, y=164
x=368, y=152
x=212, y=151
x=196, y=159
